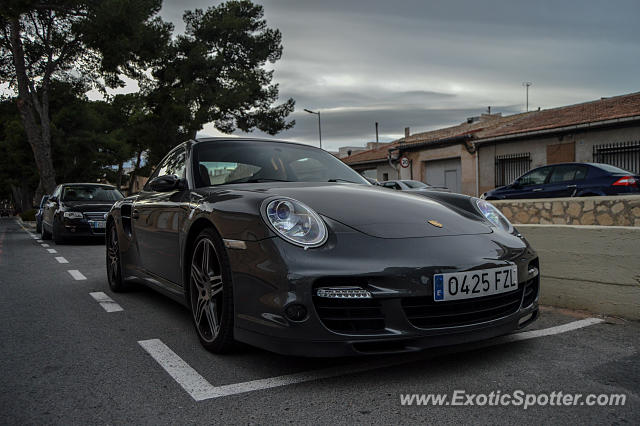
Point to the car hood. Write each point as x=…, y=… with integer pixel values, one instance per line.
x=379, y=212
x=88, y=206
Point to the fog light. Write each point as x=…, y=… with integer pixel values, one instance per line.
x=343, y=293
x=296, y=312
x=525, y=319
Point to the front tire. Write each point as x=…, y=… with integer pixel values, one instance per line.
x=211, y=293
x=114, y=265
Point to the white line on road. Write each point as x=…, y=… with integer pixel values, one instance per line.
x=195, y=385
x=77, y=275
x=106, y=302
x=52, y=251
x=44, y=245
x=200, y=389
x=38, y=241
x=61, y=259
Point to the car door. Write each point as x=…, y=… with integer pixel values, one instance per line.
x=49, y=209
x=158, y=217
x=564, y=179
x=530, y=185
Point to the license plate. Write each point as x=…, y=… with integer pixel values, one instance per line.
x=470, y=284
x=98, y=224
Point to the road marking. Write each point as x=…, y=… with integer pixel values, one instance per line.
x=192, y=382
x=200, y=389
x=45, y=245
x=106, y=302
x=39, y=241
x=61, y=259
x=77, y=275
x=52, y=251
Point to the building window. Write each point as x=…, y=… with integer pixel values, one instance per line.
x=385, y=176
x=625, y=155
x=511, y=166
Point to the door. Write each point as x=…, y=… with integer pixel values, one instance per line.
x=157, y=219
x=564, y=180
x=444, y=173
x=49, y=210
x=561, y=153
x=530, y=185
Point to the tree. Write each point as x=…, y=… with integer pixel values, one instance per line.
x=215, y=72
x=95, y=41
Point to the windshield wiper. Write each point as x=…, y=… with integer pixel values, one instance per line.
x=341, y=180
x=258, y=180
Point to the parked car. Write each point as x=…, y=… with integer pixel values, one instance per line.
x=77, y=210
x=283, y=246
x=43, y=201
x=569, y=180
x=411, y=185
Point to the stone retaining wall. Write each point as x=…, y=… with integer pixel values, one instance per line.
x=607, y=211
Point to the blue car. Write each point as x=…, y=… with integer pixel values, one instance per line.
x=569, y=180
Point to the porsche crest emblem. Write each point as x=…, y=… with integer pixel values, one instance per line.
x=435, y=223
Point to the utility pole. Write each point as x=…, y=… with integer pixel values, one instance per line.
x=527, y=84
x=376, y=132
x=319, y=125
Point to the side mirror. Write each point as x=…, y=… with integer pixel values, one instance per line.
x=516, y=184
x=53, y=199
x=166, y=183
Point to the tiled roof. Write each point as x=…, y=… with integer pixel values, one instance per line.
x=588, y=112
x=377, y=154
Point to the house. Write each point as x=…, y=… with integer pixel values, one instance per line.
x=492, y=150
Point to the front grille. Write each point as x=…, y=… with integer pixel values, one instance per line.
x=350, y=315
x=95, y=215
x=424, y=312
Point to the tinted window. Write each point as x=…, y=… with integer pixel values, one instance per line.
x=414, y=184
x=174, y=164
x=391, y=185
x=90, y=193
x=611, y=169
x=230, y=162
x=535, y=177
x=566, y=173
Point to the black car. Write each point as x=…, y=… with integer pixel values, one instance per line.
x=283, y=246
x=569, y=180
x=43, y=202
x=77, y=210
x=411, y=185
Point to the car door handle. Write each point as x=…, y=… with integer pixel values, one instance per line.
x=135, y=214
x=536, y=189
x=572, y=186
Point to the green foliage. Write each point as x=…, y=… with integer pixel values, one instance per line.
x=215, y=72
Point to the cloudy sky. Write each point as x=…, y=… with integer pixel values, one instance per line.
x=426, y=64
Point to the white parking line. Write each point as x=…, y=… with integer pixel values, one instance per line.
x=44, y=245
x=61, y=259
x=200, y=389
x=77, y=275
x=38, y=241
x=52, y=251
x=106, y=302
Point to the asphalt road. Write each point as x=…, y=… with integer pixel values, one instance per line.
x=64, y=359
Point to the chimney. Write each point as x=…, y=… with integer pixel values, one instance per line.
x=406, y=132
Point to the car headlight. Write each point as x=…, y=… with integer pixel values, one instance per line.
x=494, y=215
x=296, y=222
x=73, y=215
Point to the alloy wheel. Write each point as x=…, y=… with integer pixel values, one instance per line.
x=206, y=290
x=113, y=255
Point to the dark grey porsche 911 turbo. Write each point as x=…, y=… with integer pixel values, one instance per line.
x=282, y=246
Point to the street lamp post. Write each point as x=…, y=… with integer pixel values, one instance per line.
x=319, y=125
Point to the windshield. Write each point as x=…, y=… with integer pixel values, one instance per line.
x=230, y=162
x=90, y=193
x=414, y=184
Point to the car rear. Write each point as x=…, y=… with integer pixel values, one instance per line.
x=616, y=181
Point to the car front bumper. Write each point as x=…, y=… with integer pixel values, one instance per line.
x=271, y=275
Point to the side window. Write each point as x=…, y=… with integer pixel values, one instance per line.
x=535, y=177
x=174, y=164
x=562, y=174
x=581, y=173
